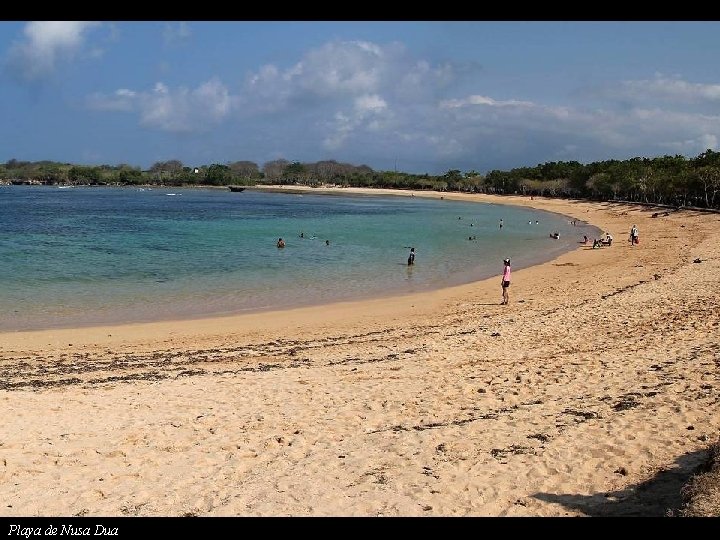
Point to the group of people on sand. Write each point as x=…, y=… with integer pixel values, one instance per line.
x=600, y=242
x=608, y=240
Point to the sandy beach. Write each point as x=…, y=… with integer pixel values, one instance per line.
x=594, y=392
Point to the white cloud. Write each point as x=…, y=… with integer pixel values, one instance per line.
x=342, y=126
x=46, y=44
x=661, y=89
x=353, y=86
x=419, y=80
x=357, y=99
x=346, y=87
x=708, y=141
x=215, y=98
x=479, y=122
x=670, y=89
x=482, y=100
x=370, y=104
x=267, y=90
x=369, y=114
x=694, y=146
x=345, y=67
x=181, y=110
x=335, y=71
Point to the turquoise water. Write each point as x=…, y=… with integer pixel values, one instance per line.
x=97, y=255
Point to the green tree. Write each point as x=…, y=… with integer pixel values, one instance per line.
x=218, y=175
x=295, y=172
x=129, y=175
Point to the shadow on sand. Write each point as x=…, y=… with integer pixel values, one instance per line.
x=652, y=498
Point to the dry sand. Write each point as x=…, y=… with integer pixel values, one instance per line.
x=593, y=393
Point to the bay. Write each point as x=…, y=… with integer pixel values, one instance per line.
x=100, y=255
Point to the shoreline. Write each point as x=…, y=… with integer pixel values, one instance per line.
x=186, y=314
x=381, y=301
x=572, y=400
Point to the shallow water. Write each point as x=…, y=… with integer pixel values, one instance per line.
x=99, y=255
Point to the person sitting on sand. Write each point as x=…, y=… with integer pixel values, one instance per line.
x=608, y=239
x=280, y=243
x=585, y=239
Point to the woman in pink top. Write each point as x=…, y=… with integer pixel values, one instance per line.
x=506, y=282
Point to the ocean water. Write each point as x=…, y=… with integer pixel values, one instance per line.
x=97, y=255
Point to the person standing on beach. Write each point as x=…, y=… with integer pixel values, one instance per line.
x=506, y=282
x=634, y=235
x=411, y=257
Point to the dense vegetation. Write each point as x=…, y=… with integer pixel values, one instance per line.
x=674, y=180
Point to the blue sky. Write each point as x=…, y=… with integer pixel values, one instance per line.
x=427, y=96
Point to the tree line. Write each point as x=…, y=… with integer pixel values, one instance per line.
x=673, y=180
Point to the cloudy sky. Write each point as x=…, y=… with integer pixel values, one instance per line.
x=423, y=96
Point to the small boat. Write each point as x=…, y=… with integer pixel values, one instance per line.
x=236, y=188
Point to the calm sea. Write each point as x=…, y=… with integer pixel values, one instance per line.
x=96, y=255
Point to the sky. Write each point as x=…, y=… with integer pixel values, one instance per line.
x=416, y=96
